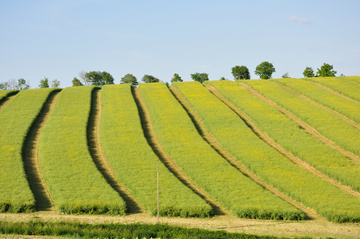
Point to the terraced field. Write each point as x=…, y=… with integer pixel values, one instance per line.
x=276, y=149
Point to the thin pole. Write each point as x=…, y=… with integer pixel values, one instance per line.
x=157, y=182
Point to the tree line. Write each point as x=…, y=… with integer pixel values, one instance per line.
x=264, y=70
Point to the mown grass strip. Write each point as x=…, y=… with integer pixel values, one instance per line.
x=266, y=162
x=134, y=161
x=74, y=181
x=349, y=86
x=4, y=96
x=208, y=169
x=289, y=135
x=329, y=125
x=16, y=120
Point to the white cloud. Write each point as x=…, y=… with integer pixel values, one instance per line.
x=299, y=20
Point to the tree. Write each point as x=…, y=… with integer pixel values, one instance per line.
x=44, y=83
x=82, y=76
x=326, y=70
x=55, y=84
x=22, y=85
x=13, y=85
x=308, y=72
x=76, y=82
x=265, y=70
x=201, y=77
x=99, y=78
x=240, y=72
x=286, y=75
x=176, y=78
x=223, y=78
x=129, y=79
x=149, y=79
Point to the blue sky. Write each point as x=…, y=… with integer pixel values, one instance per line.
x=59, y=39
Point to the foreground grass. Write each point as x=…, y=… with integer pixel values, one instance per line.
x=79, y=230
x=6, y=93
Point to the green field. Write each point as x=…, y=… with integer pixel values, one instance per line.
x=70, y=140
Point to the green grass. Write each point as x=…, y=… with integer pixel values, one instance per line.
x=288, y=134
x=181, y=140
x=6, y=93
x=349, y=86
x=74, y=181
x=16, y=120
x=134, y=161
x=274, y=168
x=77, y=230
x=337, y=103
x=329, y=125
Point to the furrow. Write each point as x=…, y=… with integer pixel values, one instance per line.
x=154, y=142
x=341, y=116
x=38, y=186
x=262, y=135
x=309, y=129
x=6, y=101
x=100, y=160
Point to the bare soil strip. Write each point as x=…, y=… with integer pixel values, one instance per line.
x=306, y=127
x=241, y=167
x=267, y=139
x=100, y=160
x=6, y=101
x=335, y=92
x=31, y=161
x=346, y=119
x=155, y=144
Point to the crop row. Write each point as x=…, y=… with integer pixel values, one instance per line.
x=75, y=183
x=130, y=155
x=181, y=140
x=349, y=86
x=265, y=161
x=288, y=134
x=16, y=120
x=328, y=124
x=337, y=103
x=5, y=93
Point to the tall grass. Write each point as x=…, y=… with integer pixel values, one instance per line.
x=181, y=140
x=126, y=148
x=274, y=168
x=329, y=125
x=15, y=121
x=337, y=103
x=74, y=181
x=349, y=86
x=288, y=134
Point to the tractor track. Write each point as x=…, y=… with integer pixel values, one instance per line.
x=34, y=174
x=100, y=160
x=6, y=100
x=155, y=144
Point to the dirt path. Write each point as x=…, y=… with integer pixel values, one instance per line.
x=31, y=161
x=334, y=92
x=100, y=160
x=267, y=139
x=341, y=116
x=310, y=228
x=306, y=127
x=155, y=144
x=6, y=101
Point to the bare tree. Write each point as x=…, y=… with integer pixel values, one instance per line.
x=82, y=76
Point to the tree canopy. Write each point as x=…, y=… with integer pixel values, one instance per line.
x=149, y=79
x=240, y=72
x=44, y=83
x=265, y=70
x=326, y=70
x=20, y=84
x=176, y=78
x=99, y=78
x=201, y=77
x=55, y=83
x=129, y=79
x=76, y=82
x=308, y=72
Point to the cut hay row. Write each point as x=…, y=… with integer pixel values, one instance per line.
x=16, y=120
x=73, y=179
x=329, y=125
x=288, y=134
x=274, y=168
x=135, y=162
x=181, y=140
x=349, y=86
